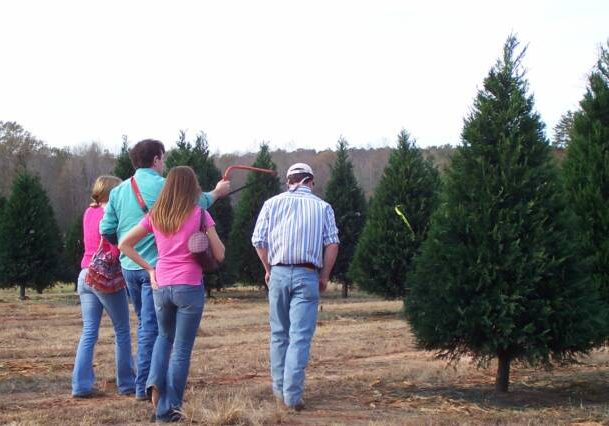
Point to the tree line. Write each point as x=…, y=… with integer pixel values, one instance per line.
x=499, y=252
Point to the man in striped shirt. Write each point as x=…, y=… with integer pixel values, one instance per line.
x=297, y=241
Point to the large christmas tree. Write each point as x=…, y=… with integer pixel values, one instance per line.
x=197, y=156
x=242, y=259
x=349, y=204
x=586, y=172
x=397, y=221
x=30, y=242
x=498, y=275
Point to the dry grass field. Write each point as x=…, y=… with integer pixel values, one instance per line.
x=364, y=370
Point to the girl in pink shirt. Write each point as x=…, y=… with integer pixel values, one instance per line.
x=93, y=303
x=177, y=283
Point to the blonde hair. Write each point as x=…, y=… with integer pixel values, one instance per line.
x=176, y=201
x=101, y=189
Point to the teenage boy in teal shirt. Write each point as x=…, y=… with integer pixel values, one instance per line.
x=122, y=212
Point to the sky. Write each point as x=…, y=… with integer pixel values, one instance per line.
x=292, y=74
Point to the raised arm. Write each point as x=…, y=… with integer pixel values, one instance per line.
x=208, y=198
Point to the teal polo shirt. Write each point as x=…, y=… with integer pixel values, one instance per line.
x=123, y=212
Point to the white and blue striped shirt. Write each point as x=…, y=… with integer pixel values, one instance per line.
x=295, y=227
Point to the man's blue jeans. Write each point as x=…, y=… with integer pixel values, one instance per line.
x=178, y=309
x=92, y=304
x=140, y=291
x=293, y=301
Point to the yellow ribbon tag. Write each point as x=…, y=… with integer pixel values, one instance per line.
x=400, y=214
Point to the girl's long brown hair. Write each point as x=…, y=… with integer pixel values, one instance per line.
x=176, y=201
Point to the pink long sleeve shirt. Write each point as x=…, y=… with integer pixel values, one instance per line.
x=91, y=236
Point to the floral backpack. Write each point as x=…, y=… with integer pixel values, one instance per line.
x=104, y=273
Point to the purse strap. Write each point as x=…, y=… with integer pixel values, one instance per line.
x=138, y=195
x=202, y=226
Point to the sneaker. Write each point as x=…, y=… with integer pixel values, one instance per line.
x=296, y=408
x=174, y=416
x=91, y=394
x=299, y=406
x=83, y=395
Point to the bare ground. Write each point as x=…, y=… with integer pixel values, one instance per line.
x=364, y=370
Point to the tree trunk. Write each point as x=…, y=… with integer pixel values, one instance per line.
x=22, y=292
x=502, y=380
x=345, y=290
x=208, y=291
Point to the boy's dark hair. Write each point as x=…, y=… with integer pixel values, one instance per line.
x=298, y=177
x=142, y=154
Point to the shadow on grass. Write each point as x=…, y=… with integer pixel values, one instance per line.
x=549, y=392
x=356, y=315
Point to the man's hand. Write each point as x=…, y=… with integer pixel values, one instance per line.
x=323, y=283
x=267, y=277
x=222, y=188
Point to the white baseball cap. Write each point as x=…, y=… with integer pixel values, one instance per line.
x=299, y=168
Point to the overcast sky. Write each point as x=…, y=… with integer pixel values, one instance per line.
x=294, y=74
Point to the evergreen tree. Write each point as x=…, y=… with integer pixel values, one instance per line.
x=242, y=257
x=74, y=251
x=197, y=156
x=2, y=205
x=30, y=242
x=387, y=245
x=562, y=131
x=123, y=168
x=349, y=204
x=498, y=276
x=586, y=172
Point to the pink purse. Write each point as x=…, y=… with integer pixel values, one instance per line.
x=198, y=245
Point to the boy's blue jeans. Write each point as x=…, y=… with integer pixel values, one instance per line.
x=140, y=292
x=293, y=301
x=179, y=309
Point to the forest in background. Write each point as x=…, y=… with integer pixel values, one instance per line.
x=67, y=174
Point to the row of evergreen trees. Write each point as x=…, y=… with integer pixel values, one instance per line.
x=505, y=256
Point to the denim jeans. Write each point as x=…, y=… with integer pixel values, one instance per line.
x=140, y=292
x=178, y=309
x=293, y=301
x=92, y=305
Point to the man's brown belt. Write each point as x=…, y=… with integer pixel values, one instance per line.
x=299, y=265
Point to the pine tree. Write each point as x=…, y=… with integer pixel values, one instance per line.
x=123, y=168
x=386, y=247
x=242, y=256
x=586, y=172
x=349, y=204
x=2, y=205
x=562, y=131
x=498, y=276
x=30, y=242
x=74, y=250
x=197, y=156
